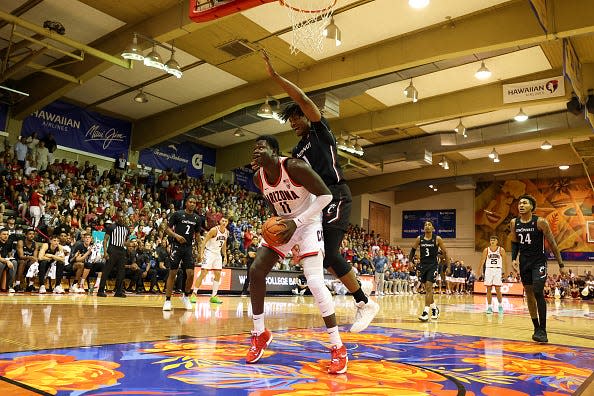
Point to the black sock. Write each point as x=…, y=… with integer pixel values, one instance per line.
x=535, y=323
x=360, y=296
x=168, y=298
x=541, y=306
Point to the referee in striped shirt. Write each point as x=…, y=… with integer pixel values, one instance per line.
x=114, y=248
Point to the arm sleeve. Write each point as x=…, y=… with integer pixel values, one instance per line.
x=319, y=203
x=411, y=255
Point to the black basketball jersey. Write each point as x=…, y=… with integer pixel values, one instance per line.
x=428, y=250
x=184, y=224
x=318, y=149
x=530, y=238
x=28, y=250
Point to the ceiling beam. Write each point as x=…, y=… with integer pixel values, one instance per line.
x=477, y=100
x=559, y=155
x=477, y=33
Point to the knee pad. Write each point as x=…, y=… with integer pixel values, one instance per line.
x=313, y=271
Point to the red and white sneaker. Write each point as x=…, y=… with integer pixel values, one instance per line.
x=339, y=360
x=259, y=344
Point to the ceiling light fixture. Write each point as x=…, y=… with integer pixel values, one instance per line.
x=493, y=153
x=172, y=67
x=521, y=116
x=418, y=4
x=411, y=92
x=431, y=186
x=563, y=167
x=483, y=72
x=546, y=145
x=141, y=97
x=238, y=133
x=461, y=129
x=153, y=59
x=331, y=31
x=435, y=189
x=266, y=111
x=348, y=145
x=133, y=51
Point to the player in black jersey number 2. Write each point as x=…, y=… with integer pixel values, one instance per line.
x=527, y=241
x=184, y=225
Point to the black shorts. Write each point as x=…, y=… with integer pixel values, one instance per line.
x=181, y=253
x=338, y=212
x=533, y=270
x=428, y=273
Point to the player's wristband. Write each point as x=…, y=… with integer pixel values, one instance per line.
x=561, y=265
x=515, y=250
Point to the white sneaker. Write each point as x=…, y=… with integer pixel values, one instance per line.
x=42, y=289
x=74, y=288
x=58, y=290
x=11, y=290
x=302, y=291
x=187, y=304
x=167, y=305
x=364, y=316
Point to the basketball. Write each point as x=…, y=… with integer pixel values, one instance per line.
x=271, y=230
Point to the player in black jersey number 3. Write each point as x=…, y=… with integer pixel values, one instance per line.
x=429, y=245
x=184, y=225
x=527, y=241
x=318, y=148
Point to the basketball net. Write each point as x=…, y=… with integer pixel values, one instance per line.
x=308, y=18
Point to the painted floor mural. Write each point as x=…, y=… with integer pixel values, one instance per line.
x=383, y=361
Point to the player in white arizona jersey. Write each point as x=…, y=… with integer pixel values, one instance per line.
x=298, y=195
x=215, y=244
x=493, y=261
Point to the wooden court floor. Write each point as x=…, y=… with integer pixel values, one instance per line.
x=84, y=345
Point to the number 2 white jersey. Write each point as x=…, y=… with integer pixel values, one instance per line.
x=288, y=198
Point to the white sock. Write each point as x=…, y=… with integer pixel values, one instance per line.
x=97, y=281
x=31, y=283
x=17, y=283
x=195, y=291
x=334, y=336
x=215, y=288
x=433, y=305
x=426, y=309
x=258, y=323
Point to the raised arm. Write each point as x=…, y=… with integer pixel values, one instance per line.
x=308, y=107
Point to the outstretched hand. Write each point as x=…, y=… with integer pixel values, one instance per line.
x=269, y=67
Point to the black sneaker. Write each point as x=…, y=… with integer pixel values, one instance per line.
x=30, y=289
x=121, y=295
x=424, y=316
x=101, y=294
x=17, y=288
x=434, y=313
x=540, y=335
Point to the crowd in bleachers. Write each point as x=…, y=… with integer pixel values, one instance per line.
x=68, y=200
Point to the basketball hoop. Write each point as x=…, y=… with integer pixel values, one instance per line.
x=308, y=18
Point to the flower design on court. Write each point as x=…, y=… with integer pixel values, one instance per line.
x=518, y=347
x=53, y=373
x=527, y=367
x=301, y=335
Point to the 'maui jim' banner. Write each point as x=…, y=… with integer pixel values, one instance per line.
x=534, y=90
x=3, y=116
x=178, y=157
x=443, y=220
x=80, y=129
